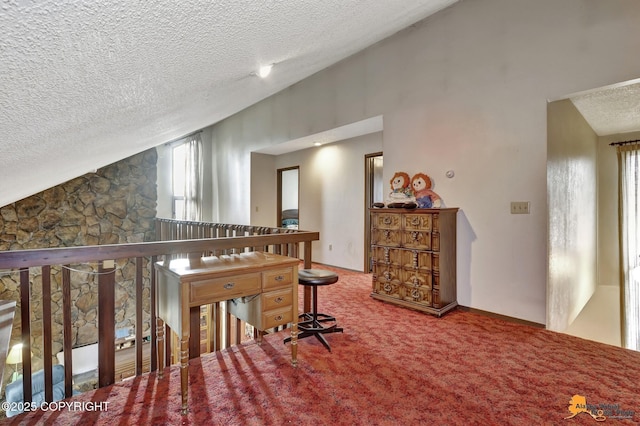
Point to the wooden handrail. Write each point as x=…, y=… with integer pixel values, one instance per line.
x=195, y=238
x=19, y=259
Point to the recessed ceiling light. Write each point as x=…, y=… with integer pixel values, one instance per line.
x=317, y=144
x=264, y=70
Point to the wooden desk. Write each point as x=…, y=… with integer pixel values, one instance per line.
x=185, y=285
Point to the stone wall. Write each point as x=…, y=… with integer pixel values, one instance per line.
x=117, y=204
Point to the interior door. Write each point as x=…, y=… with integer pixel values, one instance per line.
x=288, y=193
x=373, y=193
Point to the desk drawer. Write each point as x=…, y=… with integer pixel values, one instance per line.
x=207, y=291
x=276, y=317
x=277, y=278
x=277, y=299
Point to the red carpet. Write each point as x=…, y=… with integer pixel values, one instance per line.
x=391, y=366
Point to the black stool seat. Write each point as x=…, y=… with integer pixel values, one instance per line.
x=312, y=323
x=316, y=277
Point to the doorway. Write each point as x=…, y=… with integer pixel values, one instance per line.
x=373, y=193
x=288, y=192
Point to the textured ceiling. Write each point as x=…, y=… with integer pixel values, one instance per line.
x=86, y=83
x=611, y=110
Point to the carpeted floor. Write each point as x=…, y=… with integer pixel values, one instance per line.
x=391, y=366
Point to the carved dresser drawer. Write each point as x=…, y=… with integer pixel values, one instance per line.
x=414, y=258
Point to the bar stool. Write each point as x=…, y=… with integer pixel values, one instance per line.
x=312, y=322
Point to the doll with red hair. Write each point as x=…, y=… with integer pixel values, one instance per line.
x=425, y=197
x=401, y=191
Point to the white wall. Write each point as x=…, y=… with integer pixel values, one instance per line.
x=263, y=190
x=465, y=90
x=331, y=196
x=572, y=204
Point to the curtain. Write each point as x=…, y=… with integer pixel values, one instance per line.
x=193, y=178
x=629, y=199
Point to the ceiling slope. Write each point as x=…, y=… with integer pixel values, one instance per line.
x=86, y=83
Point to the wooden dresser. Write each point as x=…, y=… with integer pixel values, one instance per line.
x=414, y=258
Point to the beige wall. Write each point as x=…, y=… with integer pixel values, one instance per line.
x=466, y=90
x=331, y=196
x=263, y=190
x=571, y=189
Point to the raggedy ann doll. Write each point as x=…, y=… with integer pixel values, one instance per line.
x=400, y=188
x=425, y=197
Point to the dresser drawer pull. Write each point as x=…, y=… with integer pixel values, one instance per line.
x=229, y=285
x=386, y=220
x=278, y=318
x=279, y=278
x=278, y=299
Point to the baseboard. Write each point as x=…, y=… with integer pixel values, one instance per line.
x=502, y=317
x=338, y=267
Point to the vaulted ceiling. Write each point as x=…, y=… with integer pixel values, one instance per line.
x=86, y=83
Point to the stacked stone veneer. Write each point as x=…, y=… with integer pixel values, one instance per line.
x=117, y=204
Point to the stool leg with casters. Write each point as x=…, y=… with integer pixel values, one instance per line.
x=312, y=323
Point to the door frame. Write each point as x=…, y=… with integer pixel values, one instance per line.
x=368, y=197
x=279, y=194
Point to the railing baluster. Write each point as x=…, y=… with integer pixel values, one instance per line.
x=46, y=333
x=139, y=284
x=216, y=321
x=194, y=325
x=307, y=265
x=238, y=331
x=152, y=291
x=106, y=325
x=167, y=346
x=66, y=327
x=25, y=313
x=227, y=334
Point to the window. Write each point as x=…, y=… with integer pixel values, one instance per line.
x=186, y=178
x=178, y=174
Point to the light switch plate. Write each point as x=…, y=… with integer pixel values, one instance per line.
x=520, y=207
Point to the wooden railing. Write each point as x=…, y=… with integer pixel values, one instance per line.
x=176, y=239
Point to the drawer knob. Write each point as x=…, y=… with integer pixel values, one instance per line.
x=279, y=278
x=386, y=220
x=278, y=299
x=278, y=318
x=229, y=285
